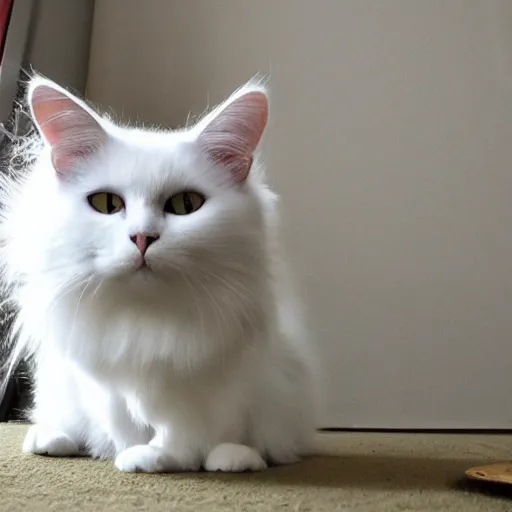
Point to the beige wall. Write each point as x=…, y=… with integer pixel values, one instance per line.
x=51, y=37
x=391, y=144
x=60, y=40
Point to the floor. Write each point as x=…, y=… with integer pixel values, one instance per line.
x=353, y=472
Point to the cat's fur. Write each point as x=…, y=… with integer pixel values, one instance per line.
x=203, y=361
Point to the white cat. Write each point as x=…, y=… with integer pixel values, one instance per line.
x=145, y=269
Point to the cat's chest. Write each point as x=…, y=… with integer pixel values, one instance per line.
x=120, y=337
x=112, y=338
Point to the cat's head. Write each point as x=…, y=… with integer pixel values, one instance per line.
x=149, y=212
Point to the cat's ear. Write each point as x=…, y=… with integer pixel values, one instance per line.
x=65, y=123
x=231, y=133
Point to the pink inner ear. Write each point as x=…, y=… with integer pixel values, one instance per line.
x=231, y=138
x=71, y=131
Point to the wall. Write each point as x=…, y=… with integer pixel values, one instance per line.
x=391, y=144
x=51, y=37
x=60, y=40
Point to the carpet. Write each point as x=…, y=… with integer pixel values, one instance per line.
x=353, y=472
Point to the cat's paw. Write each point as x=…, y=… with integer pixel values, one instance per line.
x=46, y=441
x=144, y=458
x=235, y=458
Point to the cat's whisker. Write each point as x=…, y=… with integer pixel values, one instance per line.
x=188, y=282
x=97, y=289
x=240, y=291
x=65, y=289
x=75, y=316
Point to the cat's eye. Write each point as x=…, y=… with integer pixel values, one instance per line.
x=184, y=203
x=106, y=202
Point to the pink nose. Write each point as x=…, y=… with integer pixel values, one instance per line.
x=144, y=240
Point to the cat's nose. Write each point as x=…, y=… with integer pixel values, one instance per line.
x=144, y=240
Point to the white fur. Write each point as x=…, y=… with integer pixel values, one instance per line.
x=205, y=362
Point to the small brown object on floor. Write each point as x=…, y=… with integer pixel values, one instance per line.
x=497, y=473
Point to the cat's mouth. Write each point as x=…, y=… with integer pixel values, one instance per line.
x=143, y=266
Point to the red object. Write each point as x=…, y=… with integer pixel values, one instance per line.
x=5, y=15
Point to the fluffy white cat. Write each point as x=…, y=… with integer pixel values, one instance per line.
x=145, y=270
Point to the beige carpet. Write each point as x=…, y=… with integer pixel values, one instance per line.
x=359, y=472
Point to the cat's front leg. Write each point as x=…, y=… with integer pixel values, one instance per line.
x=43, y=440
x=225, y=457
x=234, y=458
x=112, y=428
x=144, y=458
x=187, y=450
x=161, y=455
